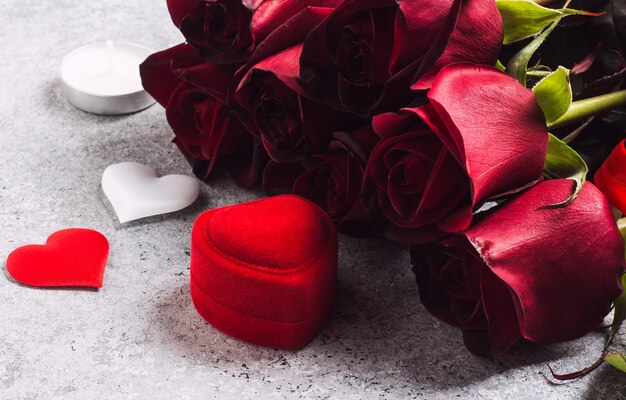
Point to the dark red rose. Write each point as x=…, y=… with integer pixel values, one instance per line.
x=230, y=30
x=178, y=9
x=481, y=135
x=278, y=178
x=333, y=181
x=205, y=126
x=526, y=270
x=366, y=55
x=217, y=27
x=246, y=167
x=290, y=125
x=159, y=72
x=611, y=177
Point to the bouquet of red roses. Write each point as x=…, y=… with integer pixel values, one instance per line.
x=396, y=118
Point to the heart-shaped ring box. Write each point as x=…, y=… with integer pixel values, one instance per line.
x=264, y=272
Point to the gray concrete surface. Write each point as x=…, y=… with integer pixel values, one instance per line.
x=139, y=337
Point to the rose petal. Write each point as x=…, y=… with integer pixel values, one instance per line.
x=283, y=64
x=214, y=79
x=561, y=264
x=435, y=289
x=271, y=14
x=178, y=9
x=247, y=166
x=278, y=178
x=290, y=33
x=498, y=303
x=451, y=139
x=496, y=124
x=477, y=342
x=310, y=124
x=157, y=76
x=416, y=26
x=476, y=38
x=451, y=189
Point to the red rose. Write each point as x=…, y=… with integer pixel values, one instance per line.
x=611, y=177
x=290, y=125
x=230, y=30
x=366, y=55
x=204, y=125
x=159, y=72
x=215, y=27
x=526, y=270
x=333, y=179
x=482, y=135
x=246, y=167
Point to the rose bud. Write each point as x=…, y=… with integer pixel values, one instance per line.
x=229, y=30
x=526, y=270
x=481, y=136
x=611, y=177
x=366, y=55
x=333, y=179
x=290, y=125
x=204, y=125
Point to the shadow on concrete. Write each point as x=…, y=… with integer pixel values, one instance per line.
x=605, y=382
x=378, y=334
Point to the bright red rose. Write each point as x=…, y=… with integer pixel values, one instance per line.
x=367, y=54
x=526, y=270
x=611, y=177
x=482, y=135
x=290, y=125
x=230, y=30
x=205, y=126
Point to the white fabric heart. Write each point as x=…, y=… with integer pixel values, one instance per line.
x=135, y=191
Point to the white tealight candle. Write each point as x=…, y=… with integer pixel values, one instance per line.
x=103, y=78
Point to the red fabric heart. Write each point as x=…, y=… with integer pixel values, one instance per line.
x=70, y=257
x=264, y=272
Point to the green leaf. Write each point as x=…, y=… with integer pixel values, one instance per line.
x=536, y=72
x=554, y=94
x=500, y=66
x=516, y=67
x=620, y=303
x=525, y=18
x=616, y=359
x=564, y=162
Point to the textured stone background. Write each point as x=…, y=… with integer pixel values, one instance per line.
x=140, y=337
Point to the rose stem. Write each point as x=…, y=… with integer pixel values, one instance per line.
x=586, y=108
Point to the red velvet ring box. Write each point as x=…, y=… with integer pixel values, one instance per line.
x=264, y=272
